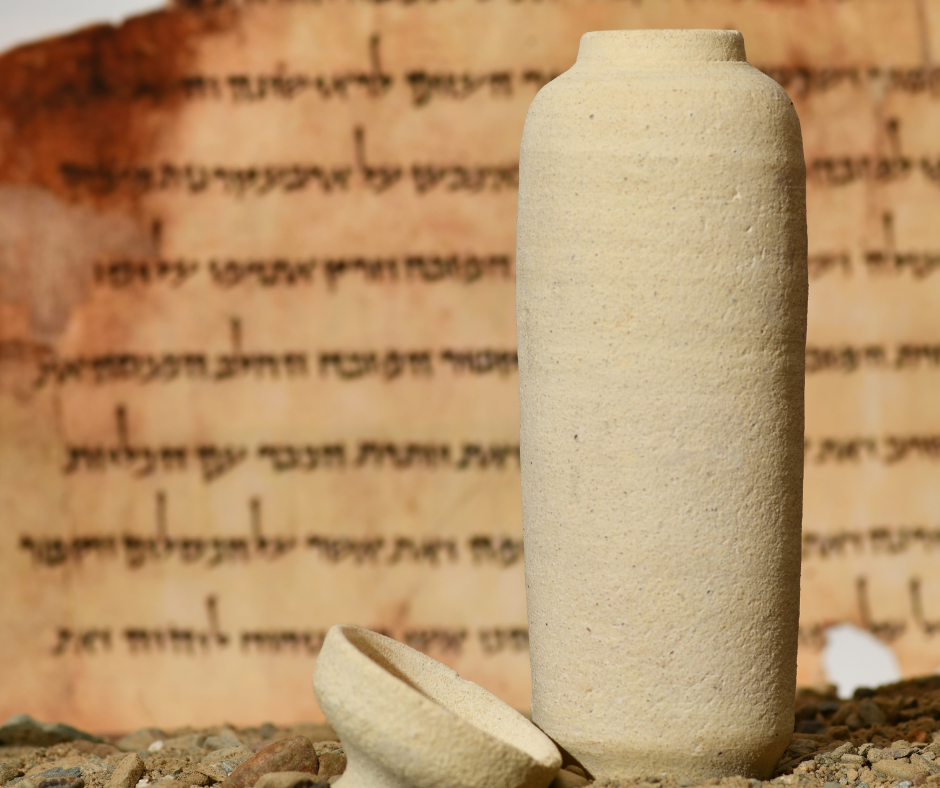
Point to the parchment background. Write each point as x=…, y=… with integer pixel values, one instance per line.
x=107, y=245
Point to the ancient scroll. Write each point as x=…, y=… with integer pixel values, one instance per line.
x=257, y=343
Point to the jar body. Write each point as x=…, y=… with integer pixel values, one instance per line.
x=661, y=315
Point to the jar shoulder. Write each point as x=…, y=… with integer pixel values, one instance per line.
x=728, y=97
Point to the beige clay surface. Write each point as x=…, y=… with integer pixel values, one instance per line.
x=661, y=310
x=407, y=720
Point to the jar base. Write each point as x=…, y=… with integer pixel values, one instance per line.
x=620, y=762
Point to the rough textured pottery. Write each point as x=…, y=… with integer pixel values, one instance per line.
x=661, y=311
x=407, y=721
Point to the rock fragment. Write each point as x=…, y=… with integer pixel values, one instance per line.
x=332, y=758
x=8, y=772
x=210, y=772
x=924, y=763
x=843, y=749
x=58, y=773
x=220, y=764
x=128, y=772
x=871, y=713
x=59, y=782
x=566, y=779
x=196, y=778
x=896, y=752
x=899, y=770
x=52, y=778
x=221, y=742
x=315, y=733
x=140, y=739
x=295, y=754
x=195, y=741
x=238, y=753
x=289, y=780
x=811, y=726
x=92, y=748
x=23, y=731
x=95, y=770
x=838, y=732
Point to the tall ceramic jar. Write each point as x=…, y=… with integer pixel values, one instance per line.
x=661, y=310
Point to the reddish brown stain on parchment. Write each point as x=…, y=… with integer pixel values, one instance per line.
x=102, y=95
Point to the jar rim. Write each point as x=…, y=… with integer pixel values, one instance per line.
x=647, y=47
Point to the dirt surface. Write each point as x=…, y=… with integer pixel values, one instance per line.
x=883, y=738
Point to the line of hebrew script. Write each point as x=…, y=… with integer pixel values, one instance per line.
x=229, y=273
x=289, y=178
x=216, y=460
x=213, y=637
x=256, y=544
x=877, y=540
x=888, y=449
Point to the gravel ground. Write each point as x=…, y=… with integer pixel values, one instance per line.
x=883, y=738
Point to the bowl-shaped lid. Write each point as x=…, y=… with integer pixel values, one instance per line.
x=418, y=723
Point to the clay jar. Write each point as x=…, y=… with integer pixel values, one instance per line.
x=661, y=311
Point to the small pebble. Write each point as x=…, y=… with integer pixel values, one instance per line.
x=155, y=746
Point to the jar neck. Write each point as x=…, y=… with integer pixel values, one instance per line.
x=652, y=47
